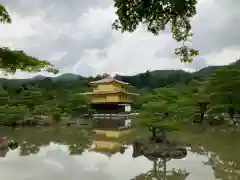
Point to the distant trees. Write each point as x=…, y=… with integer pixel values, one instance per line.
x=31, y=98
x=43, y=98
x=3, y=96
x=78, y=105
x=182, y=100
x=156, y=79
x=218, y=93
x=11, y=114
x=174, y=101
x=203, y=99
x=224, y=90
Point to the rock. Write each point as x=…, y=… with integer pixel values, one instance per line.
x=158, y=150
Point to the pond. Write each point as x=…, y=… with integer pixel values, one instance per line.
x=68, y=153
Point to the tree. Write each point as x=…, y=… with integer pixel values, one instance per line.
x=201, y=97
x=157, y=15
x=29, y=97
x=56, y=114
x=4, y=98
x=12, y=60
x=160, y=125
x=174, y=101
x=12, y=114
x=145, y=78
x=224, y=89
x=77, y=105
x=159, y=114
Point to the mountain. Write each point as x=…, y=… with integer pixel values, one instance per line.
x=68, y=77
x=39, y=77
x=153, y=79
x=145, y=81
x=206, y=71
x=236, y=62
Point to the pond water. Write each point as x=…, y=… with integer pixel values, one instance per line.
x=67, y=154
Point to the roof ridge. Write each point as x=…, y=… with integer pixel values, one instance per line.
x=107, y=80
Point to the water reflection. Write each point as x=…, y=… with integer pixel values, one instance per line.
x=29, y=140
x=62, y=154
x=3, y=152
x=153, y=152
x=160, y=172
x=109, y=146
x=226, y=170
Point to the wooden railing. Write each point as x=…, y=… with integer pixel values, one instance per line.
x=114, y=116
x=110, y=101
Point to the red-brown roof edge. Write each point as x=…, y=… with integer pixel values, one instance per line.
x=108, y=80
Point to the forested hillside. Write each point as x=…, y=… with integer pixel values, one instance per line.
x=146, y=80
x=210, y=95
x=61, y=96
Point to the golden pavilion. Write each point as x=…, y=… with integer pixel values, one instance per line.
x=112, y=101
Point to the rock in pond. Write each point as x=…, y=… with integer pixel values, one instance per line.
x=158, y=150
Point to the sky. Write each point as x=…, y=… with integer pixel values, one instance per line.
x=76, y=36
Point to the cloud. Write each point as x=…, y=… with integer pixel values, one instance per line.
x=76, y=36
x=216, y=26
x=55, y=11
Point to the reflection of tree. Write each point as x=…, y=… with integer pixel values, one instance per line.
x=76, y=140
x=75, y=149
x=28, y=148
x=199, y=150
x=223, y=143
x=160, y=172
x=160, y=154
x=222, y=169
x=3, y=152
x=6, y=145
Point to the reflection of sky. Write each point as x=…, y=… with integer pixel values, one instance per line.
x=54, y=163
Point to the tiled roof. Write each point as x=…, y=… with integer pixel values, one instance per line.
x=109, y=92
x=108, y=80
x=104, y=92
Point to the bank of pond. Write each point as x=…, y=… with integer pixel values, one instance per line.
x=44, y=120
x=70, y=152
x=90, y=119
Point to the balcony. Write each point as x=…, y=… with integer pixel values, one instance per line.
x=111, y=101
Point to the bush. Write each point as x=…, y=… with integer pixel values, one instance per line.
x=56, y=117
x=196, y=118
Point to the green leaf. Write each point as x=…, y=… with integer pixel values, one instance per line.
x=12, y=60
x=4, y=15
x=156, y=15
